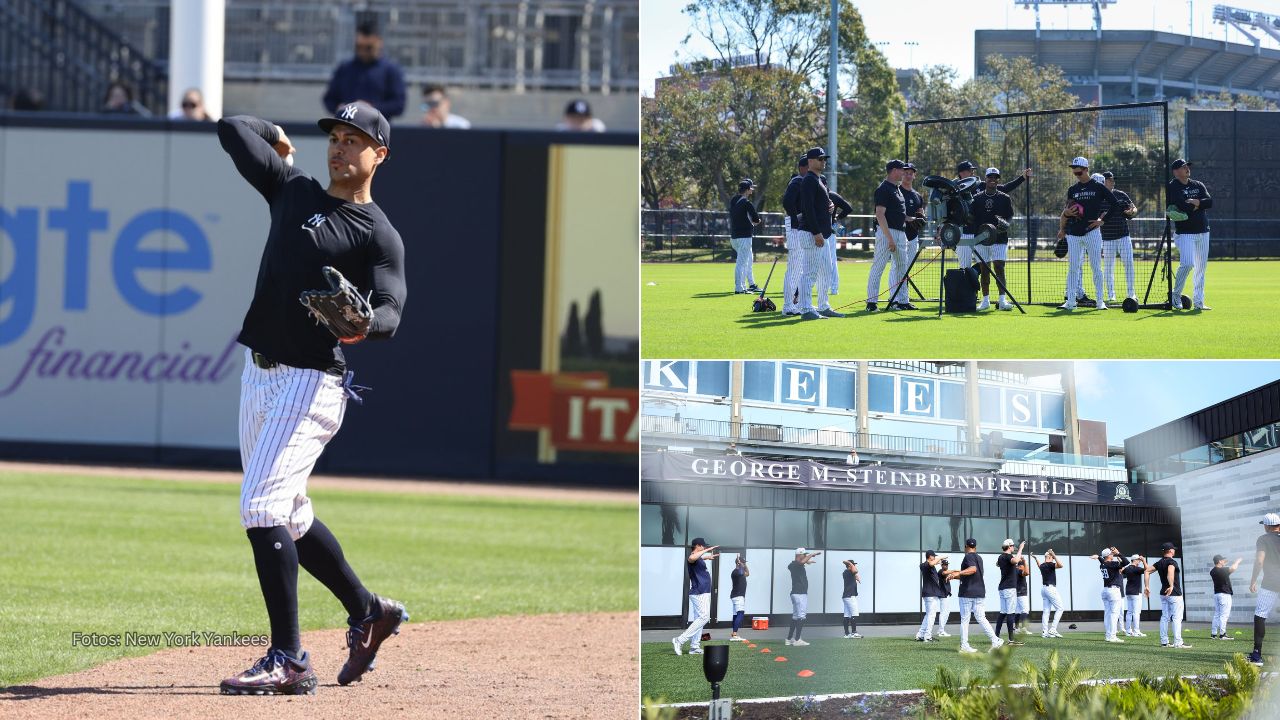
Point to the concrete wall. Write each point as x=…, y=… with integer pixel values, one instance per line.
x=297, y=101
x=1221, y=506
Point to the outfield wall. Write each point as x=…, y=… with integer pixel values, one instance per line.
x=129, y=251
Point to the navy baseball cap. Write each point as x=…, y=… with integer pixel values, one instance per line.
x=698, y=541
x=816, y=153
x=1179, y=163
x=1168, y=546
x=971, y=543
x=363, y=117
x=908, y=166
x=1216, y=558
x=930, y=553
x=804, y=161
x=894, y=164
x=1108, y=175
x=578, y=107
x=966, y=165
x=745, y=184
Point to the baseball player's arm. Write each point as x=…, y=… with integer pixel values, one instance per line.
x=1174, y=198
x=697, y=554
x=1005, y=188
x=257, y=148
x=1257, y=569
x=843, y=208
x=967, y=571
x=1236, y=565
x=884, y=228
x=388, y=288
x=1169, y=574
x=1062, y=226
x=809, y=207
x=746, y=571
x=751, y=213
x=1108, y=201
x=1205, y=202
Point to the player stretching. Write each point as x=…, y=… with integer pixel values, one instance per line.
x=973, y=595
x=1049, y=594
x=1266, y=562
x=295, y=385
x=1133, y=574
x=1221, y=576
x=852, y=578
x=699, y=595
x=1192, y=231
x=1110, y=563
x=1008, y=564
x=1170, y=596
x=1080, y=225
x=799, y=594
x=738, y=594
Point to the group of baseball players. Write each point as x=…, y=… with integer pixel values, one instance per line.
x=1124, y=584
x=1095, y=224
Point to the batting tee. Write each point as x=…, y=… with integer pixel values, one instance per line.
x=1129, y=140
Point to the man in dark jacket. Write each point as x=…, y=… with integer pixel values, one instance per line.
x=368, y=76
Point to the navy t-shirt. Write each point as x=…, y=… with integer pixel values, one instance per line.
x=1221, y=580
x=1178, y=194
x=742, y=217
x=1007, y=572
x=972, y=586
x=1091, y=195
x=1117, y=225
x=986, y=208
x=699, y=577
x=1132, y=579
x=930, y=584
x=895, y=206
x=799, y=578
x=1270, y=544
x=1162, y=569
x=913, y=201
x=1048, y=573
x=1111, y=573
x=850, y=583
x=1022, y=580
x=739, y=579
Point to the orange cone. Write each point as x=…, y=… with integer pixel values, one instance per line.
x=779, y=659
x=805, y=673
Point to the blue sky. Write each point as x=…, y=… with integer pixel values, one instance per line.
x=1132, y=396
x=943, y=29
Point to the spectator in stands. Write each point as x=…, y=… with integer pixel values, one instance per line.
x=29, y=99
x=368, y=76
x=577, y=117
x=119, y=100
x=192, y=107
x=435, y=109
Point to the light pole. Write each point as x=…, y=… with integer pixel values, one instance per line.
x=833, y=70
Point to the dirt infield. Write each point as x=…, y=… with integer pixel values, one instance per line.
x=546, y=666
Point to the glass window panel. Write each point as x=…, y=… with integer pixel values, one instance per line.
x=952, y=401
x=989, y=406
x=719, y=525
x=1046, y=534
x=757, y=381
x=1091, y=539
x=840, y=391
x=1052, y=411
x=944, y=534
x=989, y=532
x=880, y=393
x=1077, y=543
x=791, y=528
x=713, y=377
x=663, y=525
x=1129, y=537
x=759, y=528
x=897, y=532
x=850, y=531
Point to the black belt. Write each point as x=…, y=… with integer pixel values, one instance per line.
x=267, y=363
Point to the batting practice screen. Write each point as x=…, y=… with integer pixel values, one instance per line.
x=1127, y=140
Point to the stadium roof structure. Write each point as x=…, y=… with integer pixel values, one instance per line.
x=1134, y=65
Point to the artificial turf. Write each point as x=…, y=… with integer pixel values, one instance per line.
x=113, y=555
x=842, y=665
x=690, y=311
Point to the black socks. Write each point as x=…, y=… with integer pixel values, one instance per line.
x=321, y=555
x=276, y=559
x=1259, y=630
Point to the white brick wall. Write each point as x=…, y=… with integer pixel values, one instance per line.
x=1221, y=506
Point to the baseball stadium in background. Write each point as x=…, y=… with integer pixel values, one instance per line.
x=879, y=461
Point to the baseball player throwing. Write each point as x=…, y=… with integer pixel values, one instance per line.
x=295, y=385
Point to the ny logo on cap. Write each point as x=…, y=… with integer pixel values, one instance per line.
x=348, y=112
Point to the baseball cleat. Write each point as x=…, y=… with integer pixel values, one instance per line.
x=830, y=313
x=1046, y=636
x=789, y=641
x=1101, y=306
x=1202, y=306
x=1225, y=637
x=1055, y=633
x=871, y=307
x=799, y=643
x=811, y=315
x=275, y=674
x=943, y=633
x=1004, y=305
x=997, y=644
x=695, y=651
x=753, y=287
x=1014, y=643
x=907, y=306
x=856, y=635
x=737, y=638
x=1255, y=657
x=366, y=636
x=1067, y=306
x=967, y=649
x=1114, y=640
x=985, y=304
x=1181, y=646
x=676, y=645
x=918, y=638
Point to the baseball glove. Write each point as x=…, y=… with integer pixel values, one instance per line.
x=1175, y=214
x=341, y=308
x=1060, y=250
x=1074, y=209
x=916, y=221
x=763, y=304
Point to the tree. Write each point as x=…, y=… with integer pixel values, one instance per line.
x=593, y=326
x=571, y=340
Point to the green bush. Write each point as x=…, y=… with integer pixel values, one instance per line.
x=1061, y=690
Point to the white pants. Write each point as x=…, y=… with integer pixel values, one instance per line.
x=739, y=604
x=287, y=415
x=1052, y=601
x=1193, y=254
x=1111, y=609
x=882, y=257
x=827, y=281
x=1171, y=613
x=930, y=611
x=1266, y=603
x=1077, y=247
x=977, y=608
x=810, y=264
x=1221, y=611
x=964, y=253
x=1123, y=246
x=991, y=253
x=799, y=606
x=1133, y=612
x=742, y=277
x=1009, y=601
x=833, y=274
x=1024, y=604
x=945, y=606
x=699, y=614
x=850, y=606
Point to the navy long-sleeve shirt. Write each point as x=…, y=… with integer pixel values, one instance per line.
x=1092, y=195
x=1178, y=194
x=1117, y=225
x=814, y=204
x=742, y=217
x=310, y=229
x=379, y=83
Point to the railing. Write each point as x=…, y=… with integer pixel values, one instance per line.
x=69, y=57
x=748, y=432
x=579, y=45
x=668, y=235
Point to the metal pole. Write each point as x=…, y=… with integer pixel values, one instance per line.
x=1032, y=238
x=832, y=71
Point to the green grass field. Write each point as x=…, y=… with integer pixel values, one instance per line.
x=871, y=664
x=114, y=555
x=687, y=313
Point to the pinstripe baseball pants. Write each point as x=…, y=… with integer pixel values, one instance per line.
x=287, y=415
x=811, y=264
x=1123, y=246
x=1193, y=254
x=882, y=257
x=795, y=269
x=1077, y=247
